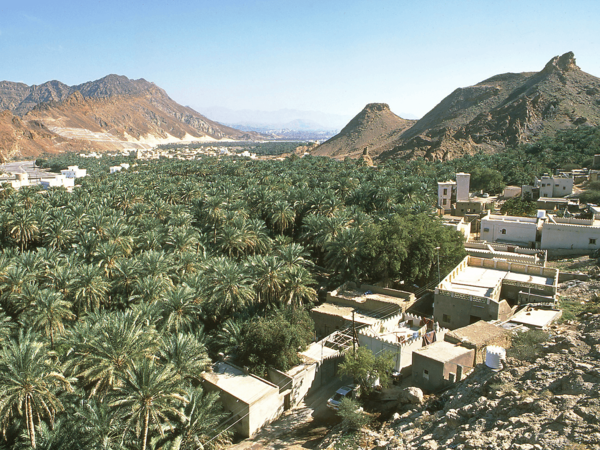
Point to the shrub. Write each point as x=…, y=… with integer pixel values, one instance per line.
x=526, y=345
x=353, y=416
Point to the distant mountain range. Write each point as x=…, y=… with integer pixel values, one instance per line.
x=283, y=119
x=107, y=114
x=504, y=110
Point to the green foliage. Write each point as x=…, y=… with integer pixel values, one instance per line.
x=526, y=345
x=572, y=308
x=404, y=248
x=519, y=207
x=353, y=416
x=487, y=180
x=366, y=368
x=274, y=341
x=590, y=196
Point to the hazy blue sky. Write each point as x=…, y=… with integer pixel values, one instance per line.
x=331, y=56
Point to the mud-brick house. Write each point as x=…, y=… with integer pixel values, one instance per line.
x=478, y=336
x=400, y=335
x=440, y=364
x=365, y=305
x=252, y=401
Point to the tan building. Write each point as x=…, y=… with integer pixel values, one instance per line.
x=368, y=303
x=483, y=289
x=400, y=335
x=478, y=336
x=252, y=401
x=441, y=364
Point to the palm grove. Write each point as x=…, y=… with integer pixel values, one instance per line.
x=116, y=297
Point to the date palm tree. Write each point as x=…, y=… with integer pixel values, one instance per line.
x=180, y=310
x=148, y=396
x=186, y=354
x=199, y=423
x=30, y=384
x=49, y=313
x=107, y=344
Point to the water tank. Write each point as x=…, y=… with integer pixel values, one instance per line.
x=493, y=356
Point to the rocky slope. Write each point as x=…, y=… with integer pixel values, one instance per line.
x=108, y=114
x=375, y=127
x=504, y=110
x=552, y=402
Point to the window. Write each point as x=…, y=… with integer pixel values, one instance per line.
x=445, y=191
x=592, y=241
x=445, y=318
x=503, y=231
x=564, y=187
x=426, y=374
x=486, y=230
x=444, y=202
x=556, y=185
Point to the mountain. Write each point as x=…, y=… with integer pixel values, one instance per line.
x=112, y=113
x=375, y=127
x=291, y=119
x=504, y=110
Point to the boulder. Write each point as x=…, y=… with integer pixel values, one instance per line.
x=412, y=395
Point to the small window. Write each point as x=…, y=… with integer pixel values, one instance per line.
x=445, y=191
x=592, y=241
x=503, y=231
x=556, y=185
x=426, y=374
x=445, y=318
x=444, y=202
x=564, y=188
x=486, y=230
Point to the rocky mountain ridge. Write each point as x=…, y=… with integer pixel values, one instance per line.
x=504, y=110
x=376, y=127
x=112, y=113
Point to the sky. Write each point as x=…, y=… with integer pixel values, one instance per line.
x=328, y=55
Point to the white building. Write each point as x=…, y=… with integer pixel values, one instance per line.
x=114, y=169
x=125, y=166
x=463, y=181
x=57, y=181
x=74, y=172
x=554, y=186
x=446, y=191
x=569, y=233
x=511, y=192
x=509, y=229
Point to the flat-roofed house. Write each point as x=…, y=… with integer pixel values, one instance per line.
x=254, y=402
x=571, y=233
x=478, y=336
x=440, y=364
x=368, y=303
x=509, y=229
x=487, y=289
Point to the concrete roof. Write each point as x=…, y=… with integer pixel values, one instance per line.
x=476, y=281
x=315, y=350
x=443, y=351
x=344, y=312
x=234, y=381
x=481, y=281
x=478, y=333
x=535, y=318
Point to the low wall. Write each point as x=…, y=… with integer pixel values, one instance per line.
x=568, y=276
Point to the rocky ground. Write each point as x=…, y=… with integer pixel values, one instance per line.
x=545, y=399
